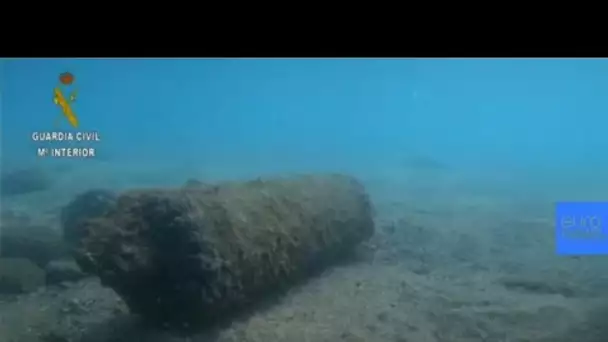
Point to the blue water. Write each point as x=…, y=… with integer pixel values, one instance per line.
x=549, y=113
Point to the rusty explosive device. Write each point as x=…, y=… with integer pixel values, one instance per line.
x=192, y=254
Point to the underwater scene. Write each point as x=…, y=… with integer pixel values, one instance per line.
x=304, y=200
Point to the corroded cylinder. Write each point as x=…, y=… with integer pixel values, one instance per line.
x=185, y=256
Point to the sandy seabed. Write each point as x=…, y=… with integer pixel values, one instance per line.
x=449, y=263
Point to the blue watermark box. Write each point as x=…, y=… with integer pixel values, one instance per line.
x=581, y=228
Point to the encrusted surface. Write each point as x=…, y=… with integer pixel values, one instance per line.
x=193, y=253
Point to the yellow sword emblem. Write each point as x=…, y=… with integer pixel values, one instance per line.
x=64, y=103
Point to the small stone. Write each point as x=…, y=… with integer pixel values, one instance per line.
x=18, y=275
x=22, y=238
x=59, y=271
x=382, y=317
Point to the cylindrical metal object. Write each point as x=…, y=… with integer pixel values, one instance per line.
x=188, y=255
